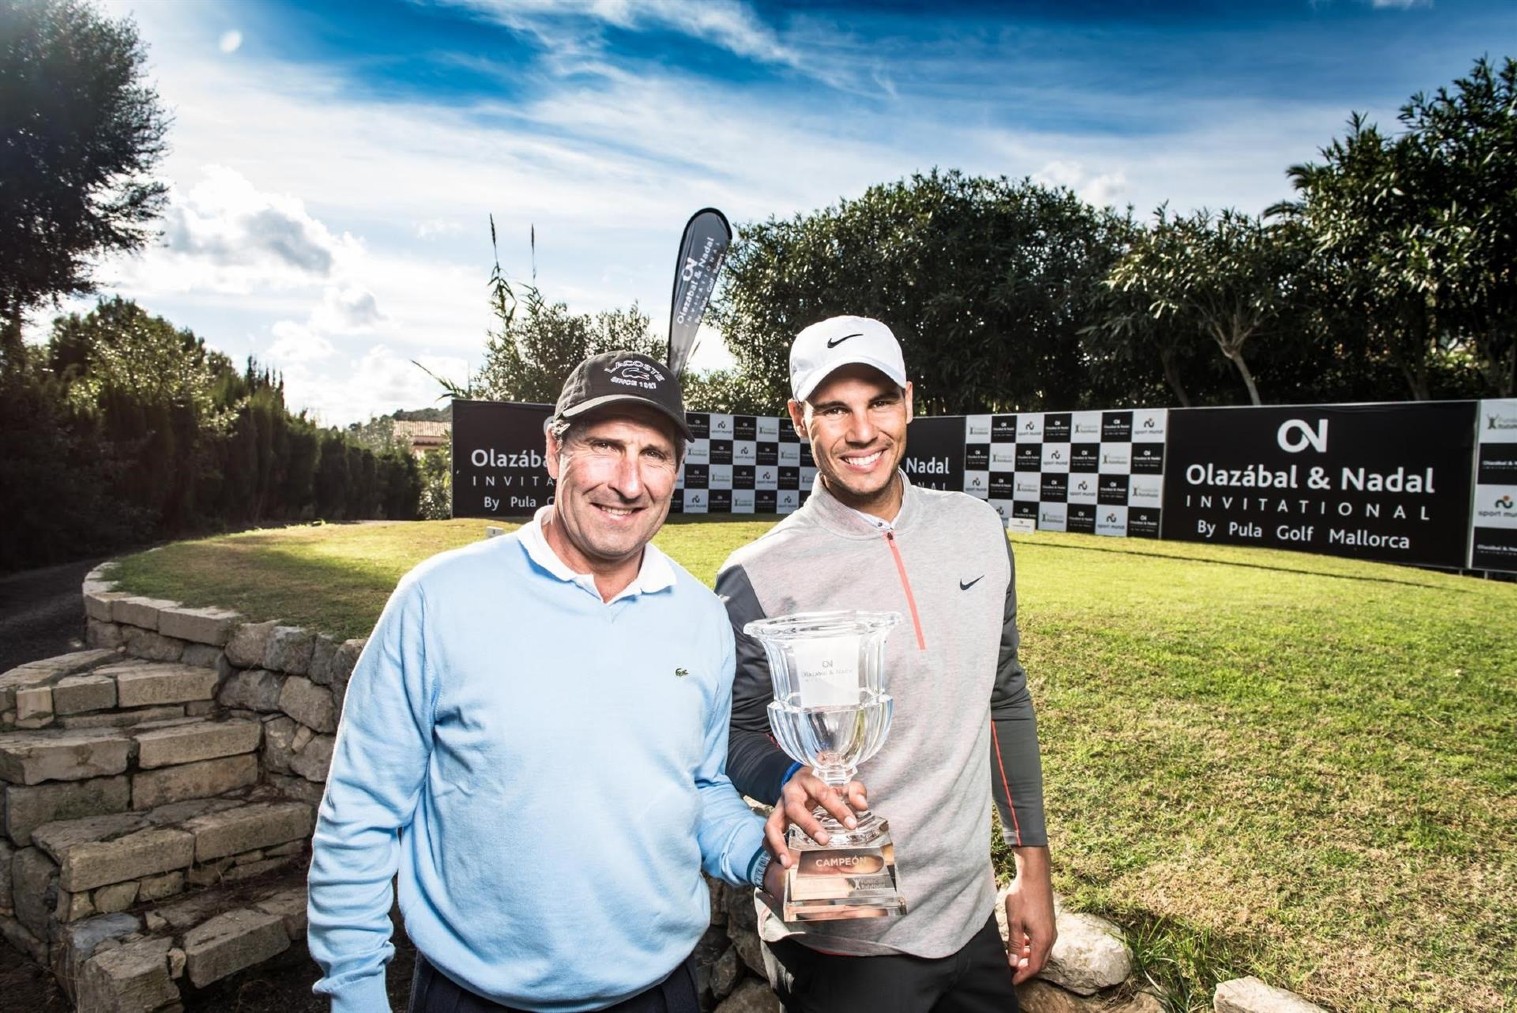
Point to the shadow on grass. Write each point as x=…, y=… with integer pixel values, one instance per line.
x=1304, y=570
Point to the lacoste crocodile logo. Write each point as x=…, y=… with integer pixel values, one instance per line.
x=834, y=342
x=966, y=585
x=680, y=673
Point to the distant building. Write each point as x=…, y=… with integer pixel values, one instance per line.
x=423, y=436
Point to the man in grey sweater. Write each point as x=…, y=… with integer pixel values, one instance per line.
x=964, y=732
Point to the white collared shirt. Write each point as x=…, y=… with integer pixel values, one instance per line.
x=655, y=573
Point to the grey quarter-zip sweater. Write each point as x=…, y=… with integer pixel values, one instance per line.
x=964, y=731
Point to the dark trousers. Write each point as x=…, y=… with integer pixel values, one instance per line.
x=434, y=992
x=977, y=979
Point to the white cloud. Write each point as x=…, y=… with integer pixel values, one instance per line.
x=230, y=42
x=225, y=234
x=297, y=344
x=569, y=26
x=346, y=309
x=1101, y=189
x=382, y=379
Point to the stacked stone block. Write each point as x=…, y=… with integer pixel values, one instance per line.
x=159, y=794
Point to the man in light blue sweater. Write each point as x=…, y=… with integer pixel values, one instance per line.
x=534, y=740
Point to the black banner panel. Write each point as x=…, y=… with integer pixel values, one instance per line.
x=1428, y=483
x=498, y=467
x=1387, y=482
x=935, y=452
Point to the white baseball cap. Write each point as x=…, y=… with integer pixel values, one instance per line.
x=843, y=341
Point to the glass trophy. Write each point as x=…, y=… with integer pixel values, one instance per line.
x=831, y=712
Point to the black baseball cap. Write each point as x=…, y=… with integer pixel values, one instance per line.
x=616, y=377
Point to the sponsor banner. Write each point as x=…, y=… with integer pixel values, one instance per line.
x=1496, y=506
x=1111, y=521
x=1052, y=516
x=1142, y=523
x=1146, y=491
x=701, y=251
x=1388, y=482
x=1085, y=427
x=498, y=466
x=1056, y=457
x=1493, y=520
x=1148, y=425
x=1085, y=458
x=1083, y=489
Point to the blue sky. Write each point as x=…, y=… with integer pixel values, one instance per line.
x=334, y=164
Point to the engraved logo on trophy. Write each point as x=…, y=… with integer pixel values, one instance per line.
x=831, y=711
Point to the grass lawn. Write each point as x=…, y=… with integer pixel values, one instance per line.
x=1259, y=762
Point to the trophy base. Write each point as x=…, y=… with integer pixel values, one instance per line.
x=852, y=876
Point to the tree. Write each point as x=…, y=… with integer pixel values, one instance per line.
x=537, y=347
x=1465, y=145
x=728, y=390
x=81, y=132
x=1419, y=231
x=539, y=343
x=1227, y=275
x=966, y=271
x=152, y=387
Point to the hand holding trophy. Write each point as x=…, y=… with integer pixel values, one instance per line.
x=831, y=711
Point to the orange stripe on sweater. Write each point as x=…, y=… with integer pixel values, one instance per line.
x=995, y=744
x=911, y=601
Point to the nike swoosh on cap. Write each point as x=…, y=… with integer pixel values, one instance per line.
x=963, y=586
x=834, y=342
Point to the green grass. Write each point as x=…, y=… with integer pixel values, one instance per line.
x=1258, y=762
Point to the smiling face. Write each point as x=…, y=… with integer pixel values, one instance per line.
x=615, y=476
x=856, y=421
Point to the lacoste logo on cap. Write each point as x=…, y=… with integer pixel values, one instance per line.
x=966, y=585
x=834, y=342
x=631, y=369
x=680, y=673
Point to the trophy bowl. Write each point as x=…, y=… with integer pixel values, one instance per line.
x=831, y=712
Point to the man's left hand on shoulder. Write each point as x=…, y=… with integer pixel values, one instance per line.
x=1030, y=926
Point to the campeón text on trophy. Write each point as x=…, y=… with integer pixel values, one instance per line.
x=831, y=711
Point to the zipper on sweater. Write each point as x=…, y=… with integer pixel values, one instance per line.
x=911, y=602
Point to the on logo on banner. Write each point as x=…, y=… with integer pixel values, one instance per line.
x=1295, y=436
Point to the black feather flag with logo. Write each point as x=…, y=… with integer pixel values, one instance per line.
x=701, y=252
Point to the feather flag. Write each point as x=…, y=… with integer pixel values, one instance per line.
x=701, y=252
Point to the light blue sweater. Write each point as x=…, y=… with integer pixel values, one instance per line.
x=544, y=770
